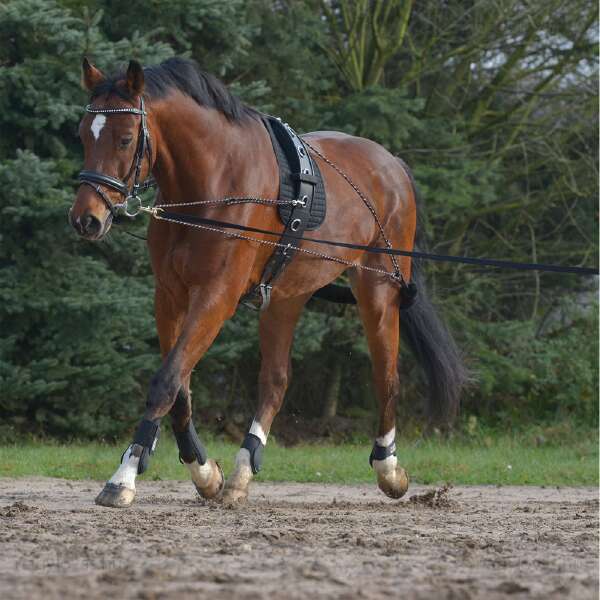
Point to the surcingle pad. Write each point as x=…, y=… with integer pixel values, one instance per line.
x=255, y=447
x=145, y=437
x=190, y=446
x=382, y=452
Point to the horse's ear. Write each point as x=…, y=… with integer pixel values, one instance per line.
x=135, y=78
x=91, y=76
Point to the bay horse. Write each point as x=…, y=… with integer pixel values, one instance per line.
x=182, y=126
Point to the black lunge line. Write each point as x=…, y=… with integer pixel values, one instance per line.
x=184, y=219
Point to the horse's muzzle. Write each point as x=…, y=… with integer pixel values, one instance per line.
x=89, y=226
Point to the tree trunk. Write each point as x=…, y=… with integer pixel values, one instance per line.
x=332, y=393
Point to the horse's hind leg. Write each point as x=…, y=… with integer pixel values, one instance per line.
x=205, y=472
x=277, y=326
x=378, y=304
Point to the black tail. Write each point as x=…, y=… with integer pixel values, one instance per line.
x=426, y=334
x=432, y=344
x=435, y=350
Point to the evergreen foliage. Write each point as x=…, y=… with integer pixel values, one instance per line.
x=493, y=105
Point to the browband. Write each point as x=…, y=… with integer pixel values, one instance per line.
x=107, y=111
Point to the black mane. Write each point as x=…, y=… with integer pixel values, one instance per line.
x=186, y=76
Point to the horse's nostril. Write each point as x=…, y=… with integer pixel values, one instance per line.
x=90, y=225
x=76, y=223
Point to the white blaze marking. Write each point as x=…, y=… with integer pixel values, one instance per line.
x=97, y=125
x=125, y=475
x=387, y=439
x=257, y=430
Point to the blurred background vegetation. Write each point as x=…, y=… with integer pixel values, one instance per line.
x=493, y=103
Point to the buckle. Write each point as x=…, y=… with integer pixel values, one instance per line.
x=300, y=201
x=305, y=178
x=265, y=294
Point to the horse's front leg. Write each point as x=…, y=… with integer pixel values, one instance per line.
x=204, y=319
x=205, y=472
x=276, y=331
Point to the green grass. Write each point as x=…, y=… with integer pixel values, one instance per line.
x=500, y=460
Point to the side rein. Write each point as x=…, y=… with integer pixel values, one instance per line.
x=131, y=200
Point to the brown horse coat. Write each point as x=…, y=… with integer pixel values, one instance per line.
x=217, y=148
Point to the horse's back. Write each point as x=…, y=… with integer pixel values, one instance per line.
x=368, y=149
x=381, y=176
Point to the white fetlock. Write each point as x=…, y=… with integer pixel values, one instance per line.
x=208, y=478
x=119, y=490
x=127, y=472
x=236, y=487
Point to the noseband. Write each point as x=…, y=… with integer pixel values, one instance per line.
x=132, y=202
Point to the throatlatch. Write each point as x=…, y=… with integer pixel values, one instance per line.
x=145, y=437
x=382, y=452
x=190, y=446
x=255, y=447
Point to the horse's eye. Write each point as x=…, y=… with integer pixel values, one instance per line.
x=125, y=141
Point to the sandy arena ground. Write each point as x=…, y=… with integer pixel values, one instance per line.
x=298, y=541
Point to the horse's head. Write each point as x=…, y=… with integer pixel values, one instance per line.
x=117, y=153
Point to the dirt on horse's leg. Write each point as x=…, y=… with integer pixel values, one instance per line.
x=205, y=472
x=378, y=305
x=276, y=330
x=201, y=325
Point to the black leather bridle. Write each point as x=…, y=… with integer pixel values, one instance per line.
x=131, y=199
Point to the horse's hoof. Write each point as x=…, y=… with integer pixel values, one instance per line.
x=214, y=487
x=115, y=496
x=234, y=496
x=395, y=483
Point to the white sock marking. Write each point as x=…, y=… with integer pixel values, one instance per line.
x=201, y=474
x=242, y=473
x=257, y=430
x=97, y=125
x=387, y=439
x=386, y=465
x=127, y=472
x=242, y=459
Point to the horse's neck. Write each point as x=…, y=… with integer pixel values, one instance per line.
x=203, y=156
